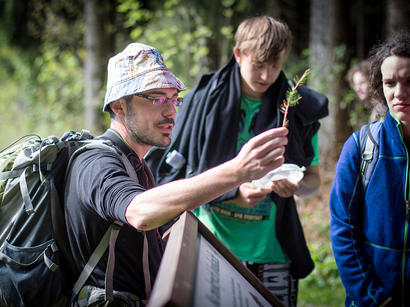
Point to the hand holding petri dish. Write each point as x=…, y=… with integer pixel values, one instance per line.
x=288, y=171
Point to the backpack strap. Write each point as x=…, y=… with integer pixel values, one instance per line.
x=145, y=262
x=109, y=272
x=369, y=150
x=109, y=238
x=96, y=256
x=92, y=144
x=110, y=135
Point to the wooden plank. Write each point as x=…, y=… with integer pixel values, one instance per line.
x=198, y=270
x=174, y=282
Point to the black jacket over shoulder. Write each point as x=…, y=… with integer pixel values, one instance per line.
x=206, y=132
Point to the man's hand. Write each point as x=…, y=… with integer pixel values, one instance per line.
x=262, y=154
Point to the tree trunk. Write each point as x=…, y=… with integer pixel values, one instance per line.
x=361, y=31
x=94, y=70
x=398, y=12
x=340, y=60
x=326, y=37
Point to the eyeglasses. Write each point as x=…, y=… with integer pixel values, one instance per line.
x=160, y=100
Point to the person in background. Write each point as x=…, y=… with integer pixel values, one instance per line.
x=358, y=77
x=369, y=227
x=141, y=97
x=220, y=114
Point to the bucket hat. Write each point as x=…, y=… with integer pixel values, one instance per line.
x=138, y=68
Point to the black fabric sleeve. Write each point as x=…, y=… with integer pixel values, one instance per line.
x=104, y=184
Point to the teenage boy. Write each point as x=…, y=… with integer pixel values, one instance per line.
x=220, y=114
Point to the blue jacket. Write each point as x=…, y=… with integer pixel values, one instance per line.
x=370, y=233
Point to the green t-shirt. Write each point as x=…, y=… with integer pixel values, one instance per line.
x=252, y=236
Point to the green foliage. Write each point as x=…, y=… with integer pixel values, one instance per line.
x=42, y=96
x=358, y=113
x=134, y=13
x=292, y=94
x=340, y=52
x=295, y=64
x=59, y=90
x=177, y=31
x=323, y=286
x=41, y=71
x=327, y=273
x=194, y=36
x=15, y=74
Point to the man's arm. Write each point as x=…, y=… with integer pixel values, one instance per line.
x=156, y=206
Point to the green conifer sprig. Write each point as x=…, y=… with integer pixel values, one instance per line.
x=292, y=95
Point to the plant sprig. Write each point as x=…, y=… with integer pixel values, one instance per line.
x=292, y=95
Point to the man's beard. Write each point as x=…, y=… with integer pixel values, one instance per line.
x=144, y=137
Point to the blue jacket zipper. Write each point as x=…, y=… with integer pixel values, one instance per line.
x=406, y=225
x=406, y=222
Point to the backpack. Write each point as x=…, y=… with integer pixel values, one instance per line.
x=35, y=259
x=369, y=150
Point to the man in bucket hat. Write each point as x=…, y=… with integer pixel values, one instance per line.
x=141, y=97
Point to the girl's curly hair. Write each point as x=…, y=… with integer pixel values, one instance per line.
x=397, y=45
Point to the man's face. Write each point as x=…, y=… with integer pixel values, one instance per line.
x=257, y=77
x=150, y=124
x=360, y=85
x=396, y=86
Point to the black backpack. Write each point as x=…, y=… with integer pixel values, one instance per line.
x=369, y=150
x=35, y=259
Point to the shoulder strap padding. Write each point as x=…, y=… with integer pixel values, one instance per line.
x=369, y=150
x=95, y=257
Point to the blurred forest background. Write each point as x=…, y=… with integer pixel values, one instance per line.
x=53, y=57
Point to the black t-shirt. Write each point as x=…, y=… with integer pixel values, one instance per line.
x=97, y=193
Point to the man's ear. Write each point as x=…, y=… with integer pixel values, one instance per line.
x=118, y=107
x=237, y=54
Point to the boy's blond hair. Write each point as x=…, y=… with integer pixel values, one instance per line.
x=265, y=37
